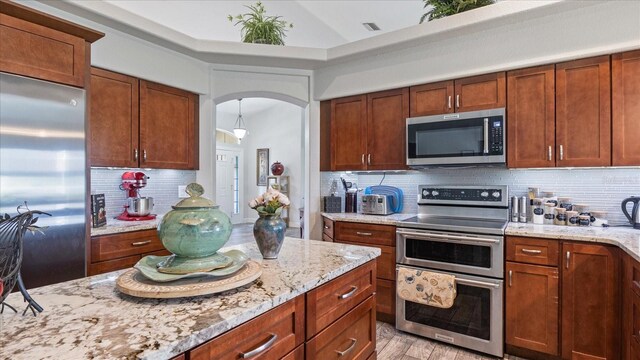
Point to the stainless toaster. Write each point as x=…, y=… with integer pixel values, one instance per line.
x=376, y=204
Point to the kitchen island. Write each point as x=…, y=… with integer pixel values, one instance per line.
x=89, y=318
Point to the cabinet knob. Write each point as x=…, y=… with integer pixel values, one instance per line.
x=144, y=155
x=135, y=154
x=458, y=100
x=368, y=159
x=549, y=153
x=362, y=159
x=510, y=277
x=568, y=258
x=449, y=101
x=561, y=152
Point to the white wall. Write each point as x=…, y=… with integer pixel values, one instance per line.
x=277, y=127
x=573, y=30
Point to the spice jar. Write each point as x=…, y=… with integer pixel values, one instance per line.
x=581, y=208
x=550, y=196
x=572, y=218
x=561, y=216
x=549, y=214
x=584, y=220
x=565, y=203
x=538, y=211
x=600, y=218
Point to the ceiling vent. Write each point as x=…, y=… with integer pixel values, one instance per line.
x=371, y=26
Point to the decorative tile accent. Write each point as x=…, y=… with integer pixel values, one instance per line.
x=162, y=186
x=601, y=188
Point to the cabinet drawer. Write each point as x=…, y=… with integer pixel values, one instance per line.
x=163, y=252
x=328, y=302
x=108, y=247
x=351, y=337
x=533, y=251
x=297, y=354
x=365, y=233
x=278, y=332
x=386, y=300
x=112, y=265
x=36, y=51
x=327, y=227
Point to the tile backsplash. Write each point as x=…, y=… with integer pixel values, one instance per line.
x=162, y=186
x=600, y=188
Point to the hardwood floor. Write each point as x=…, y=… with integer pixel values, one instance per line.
x=243, y=233
x=397, y=345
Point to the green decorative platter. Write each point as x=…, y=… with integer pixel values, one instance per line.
x=148, y=267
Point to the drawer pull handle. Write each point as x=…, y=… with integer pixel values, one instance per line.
x=141, y=243
x=343, y=353
x=348, y=294
x=363, y=233
x=261, y=348
x=528, y=251
x=510, y=277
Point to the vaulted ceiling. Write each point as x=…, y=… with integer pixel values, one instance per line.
x=317, y=24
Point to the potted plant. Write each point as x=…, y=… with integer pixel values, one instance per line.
x=257, y=27
x=269, y=229
x=444, y=8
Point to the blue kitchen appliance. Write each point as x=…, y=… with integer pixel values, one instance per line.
x=394, y=194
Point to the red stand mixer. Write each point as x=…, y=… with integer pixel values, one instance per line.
x=137, y=208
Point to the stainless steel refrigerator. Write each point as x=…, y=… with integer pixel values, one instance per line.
x=42, y=162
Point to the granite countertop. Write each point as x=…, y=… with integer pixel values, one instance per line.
x=626, y=238
x=392, y=219
x=89, y=318
x=115, y=226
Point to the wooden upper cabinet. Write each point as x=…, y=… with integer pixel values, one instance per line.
x=583, y=112
x=481, y=92
x=41, y=46
x=431, y=99
x=349, y=133
x=113, y=119
x=590, y=302
x=531, y=117
x=386, y=118
x=168, y=127
x=532, y=307
x=625, y=72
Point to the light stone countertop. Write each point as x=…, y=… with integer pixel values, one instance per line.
x=115, y=226
x=626, y=238
x=89, y=318
x=392, y=219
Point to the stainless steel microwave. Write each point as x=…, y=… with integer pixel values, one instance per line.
x=468, y=138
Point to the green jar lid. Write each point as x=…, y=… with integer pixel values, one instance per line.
x=195, y=199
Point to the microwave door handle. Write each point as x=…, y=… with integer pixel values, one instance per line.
x=486, y=136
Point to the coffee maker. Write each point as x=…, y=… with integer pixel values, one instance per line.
x=136, y=208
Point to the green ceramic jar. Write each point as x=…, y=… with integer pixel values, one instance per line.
x=196, y=227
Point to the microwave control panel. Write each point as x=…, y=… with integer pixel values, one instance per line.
x=496, y=136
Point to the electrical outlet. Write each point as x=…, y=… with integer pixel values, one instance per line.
x=182, y=191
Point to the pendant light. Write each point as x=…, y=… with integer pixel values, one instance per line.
x=239, y=129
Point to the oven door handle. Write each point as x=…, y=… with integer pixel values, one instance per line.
x=425, y=235
x=477, y=283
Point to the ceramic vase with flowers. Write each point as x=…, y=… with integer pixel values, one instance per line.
x=269, y=229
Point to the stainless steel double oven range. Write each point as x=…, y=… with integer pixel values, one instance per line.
x=459, y=230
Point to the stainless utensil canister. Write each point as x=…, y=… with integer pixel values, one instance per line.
x=523, y=209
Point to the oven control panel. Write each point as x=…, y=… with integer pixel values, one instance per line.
x=469, y=195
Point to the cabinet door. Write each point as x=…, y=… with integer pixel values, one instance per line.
x=168, y=127
x=531, y=117
x=114, y=119
x=583, y=112
x=387, y=112
x=590, y=302
x=625, y=109
x=532, y=307
x=481, y=92
x=349, y=132
x=431, y=99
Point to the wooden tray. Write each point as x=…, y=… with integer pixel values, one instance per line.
x=134, y=283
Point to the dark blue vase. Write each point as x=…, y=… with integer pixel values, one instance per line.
x=269, y=232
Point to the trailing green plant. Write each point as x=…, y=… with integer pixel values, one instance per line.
x=444, y=8
x=257, y=27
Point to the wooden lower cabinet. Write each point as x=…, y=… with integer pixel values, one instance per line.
x=386, y=300
x=631, y=309
x=591, y=321
x=272, y=335
x=532, y=307
x=123, y=250
x=351, y=337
